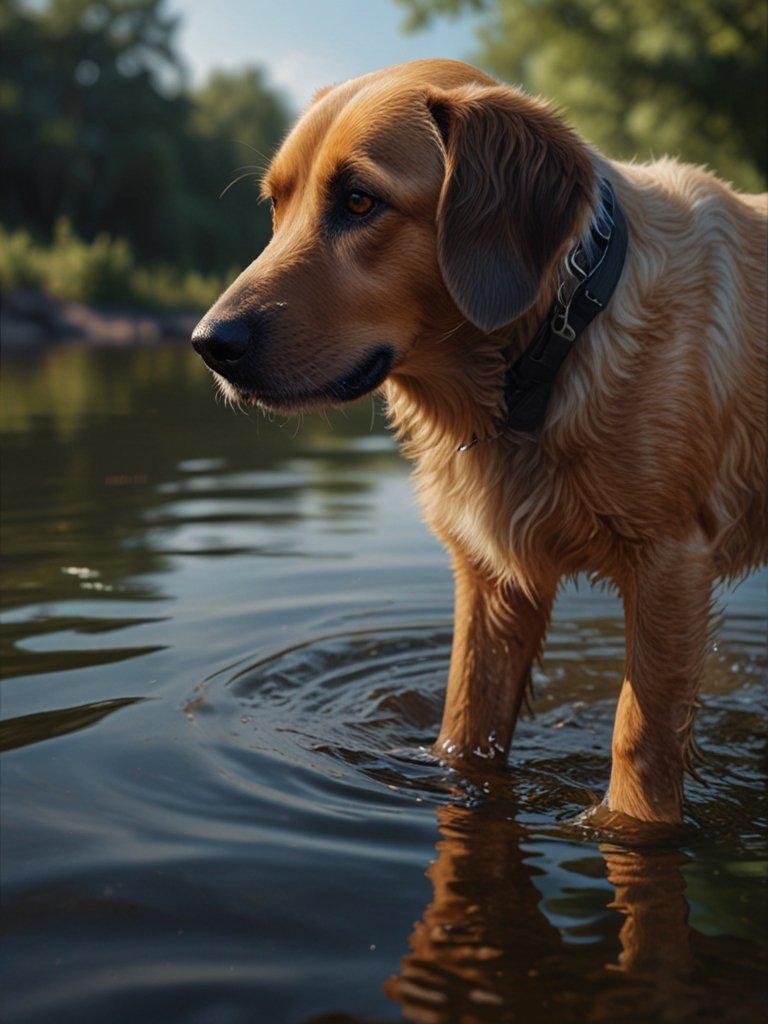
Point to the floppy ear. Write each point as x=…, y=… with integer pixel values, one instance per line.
x=518, y=184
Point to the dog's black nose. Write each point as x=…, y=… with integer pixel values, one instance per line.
x=221, y=342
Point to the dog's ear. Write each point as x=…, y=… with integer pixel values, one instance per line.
x=518, y=184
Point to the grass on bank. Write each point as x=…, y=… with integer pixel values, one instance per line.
x=101, y=272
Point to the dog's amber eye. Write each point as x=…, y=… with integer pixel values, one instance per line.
x=359, y=204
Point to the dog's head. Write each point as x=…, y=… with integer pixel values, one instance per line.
x=406, y=203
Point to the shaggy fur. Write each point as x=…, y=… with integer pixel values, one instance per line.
x=651, y=468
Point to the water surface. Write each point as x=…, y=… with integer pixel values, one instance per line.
x=225, y=641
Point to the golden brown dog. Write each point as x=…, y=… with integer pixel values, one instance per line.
x=427, y=222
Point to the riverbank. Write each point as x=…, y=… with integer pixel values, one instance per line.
x=30, y=319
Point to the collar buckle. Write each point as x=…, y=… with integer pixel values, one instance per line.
x=561, y=327
x=590, y=275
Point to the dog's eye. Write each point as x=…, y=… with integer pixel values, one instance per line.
x=359, y=204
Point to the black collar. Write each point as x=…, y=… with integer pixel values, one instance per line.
x=591, y=274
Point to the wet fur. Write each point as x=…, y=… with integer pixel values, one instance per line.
x=651, y=470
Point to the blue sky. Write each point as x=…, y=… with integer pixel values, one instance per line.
x=305, y=44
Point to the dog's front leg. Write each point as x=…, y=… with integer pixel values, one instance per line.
x=498, y=631
x=667, y=611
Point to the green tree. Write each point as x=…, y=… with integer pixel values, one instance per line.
x=236, y=123
x=638, y=77
x=98, y=125
x=88, y=122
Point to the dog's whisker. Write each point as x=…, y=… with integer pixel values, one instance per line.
x=247, y=145
x=240, y=177
x=445, y=336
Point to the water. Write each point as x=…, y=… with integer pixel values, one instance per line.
x=225, y=642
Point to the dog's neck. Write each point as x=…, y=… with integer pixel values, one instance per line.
x=449, y=390
x=499, y=385
x=587, y=278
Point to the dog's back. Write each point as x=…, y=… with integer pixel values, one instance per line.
x=701, y=388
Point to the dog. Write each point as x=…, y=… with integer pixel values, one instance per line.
x=572, y=351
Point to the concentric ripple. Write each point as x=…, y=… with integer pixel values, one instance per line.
x=363, y=709
x=356, y=708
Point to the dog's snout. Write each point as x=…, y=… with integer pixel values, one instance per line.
x=222, y=341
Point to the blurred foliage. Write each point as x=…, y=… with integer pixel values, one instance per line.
x=99, y=126
x=639, y=78
x=102, y=271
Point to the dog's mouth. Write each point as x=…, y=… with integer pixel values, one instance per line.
x=284, y=396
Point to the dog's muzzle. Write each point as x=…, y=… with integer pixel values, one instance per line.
x=233, y=347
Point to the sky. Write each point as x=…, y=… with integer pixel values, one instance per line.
x=306, y=44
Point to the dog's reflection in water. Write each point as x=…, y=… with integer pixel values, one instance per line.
x=485, y=950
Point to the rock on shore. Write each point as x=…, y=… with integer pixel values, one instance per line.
x=30, y=318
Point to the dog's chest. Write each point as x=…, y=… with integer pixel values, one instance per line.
x=507, y=514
